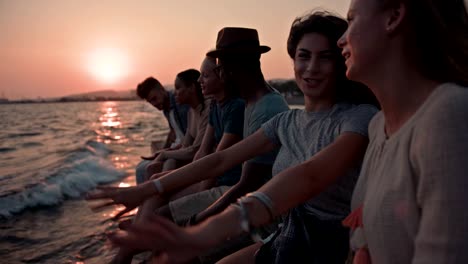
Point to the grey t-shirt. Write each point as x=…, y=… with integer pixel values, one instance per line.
x=260, y=112
x=301, y=134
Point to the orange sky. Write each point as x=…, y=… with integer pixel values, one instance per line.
x=47, y=46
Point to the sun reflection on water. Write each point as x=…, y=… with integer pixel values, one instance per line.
x=111, y=131
x=110, y=125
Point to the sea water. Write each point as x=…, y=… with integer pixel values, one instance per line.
x=51, y=154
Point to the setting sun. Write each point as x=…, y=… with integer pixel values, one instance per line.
x=107, y=65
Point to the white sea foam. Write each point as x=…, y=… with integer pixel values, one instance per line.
x=84, y=171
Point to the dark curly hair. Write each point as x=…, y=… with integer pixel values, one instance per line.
x=332, y=27
x=189, y=77
x=146, y=86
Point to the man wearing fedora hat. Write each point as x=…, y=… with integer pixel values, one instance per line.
x=238, y=51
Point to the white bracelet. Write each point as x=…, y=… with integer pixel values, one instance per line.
x=265, y=200
x=158, y=185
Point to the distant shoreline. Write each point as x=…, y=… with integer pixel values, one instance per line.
x=292, y=100
x=68, y=101
x=287, y=87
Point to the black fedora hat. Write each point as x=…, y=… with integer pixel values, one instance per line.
x=232, y=40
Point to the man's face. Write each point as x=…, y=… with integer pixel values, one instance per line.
x=156, y=98
x=230, y=73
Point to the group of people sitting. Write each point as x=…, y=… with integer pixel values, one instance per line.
x=246, y=180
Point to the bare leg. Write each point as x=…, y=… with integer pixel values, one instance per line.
x=245, y=255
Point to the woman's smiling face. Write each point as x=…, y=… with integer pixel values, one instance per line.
x=314, y=66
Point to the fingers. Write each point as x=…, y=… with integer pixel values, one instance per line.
x=164, y=223
x=102, y=193
x=132, y=240
x=119, y=214
x=152, y=230
x=148, y=157
x=96, y=208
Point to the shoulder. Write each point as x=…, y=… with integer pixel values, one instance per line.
x=283, y=119
x=271, y=104
x=356, y=115
x=289, y=114
x=352, y=118
x=363, y=110
x=448, y=99
x=234, y=104
x=446, y=110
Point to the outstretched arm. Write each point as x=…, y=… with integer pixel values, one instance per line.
x=227, y=140
x=304, y=181
x=215, y=164
x=251, y=179
x=208, y=167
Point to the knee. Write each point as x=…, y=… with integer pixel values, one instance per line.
x=153, y=168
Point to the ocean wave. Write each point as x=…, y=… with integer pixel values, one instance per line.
x=82, y=171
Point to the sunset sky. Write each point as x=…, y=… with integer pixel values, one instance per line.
x=51, y=48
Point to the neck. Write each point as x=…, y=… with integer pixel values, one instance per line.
x=400, y=90
x=256, y=92
x=220, y=96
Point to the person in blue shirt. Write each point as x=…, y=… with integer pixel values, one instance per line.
x=176, y=114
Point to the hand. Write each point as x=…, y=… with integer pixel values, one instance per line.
x=169, y=242
x=152, y=157
x=130, y=197
x=161, y=157
x=178, y=146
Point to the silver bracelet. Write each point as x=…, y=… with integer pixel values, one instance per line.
x=265, y=200
x=158, y=186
